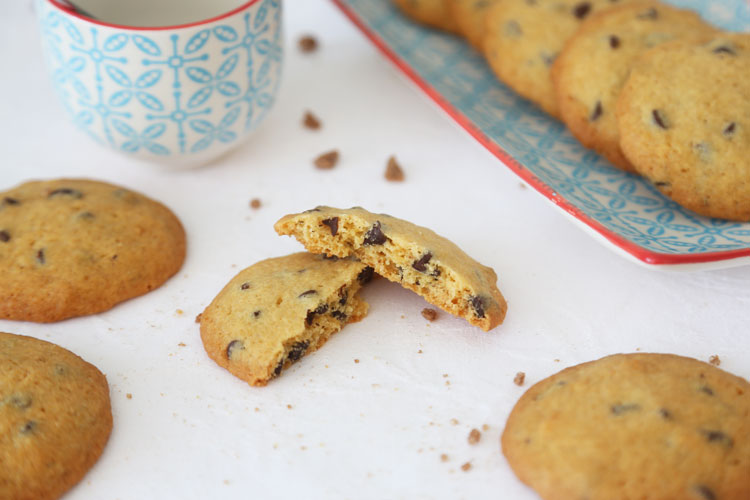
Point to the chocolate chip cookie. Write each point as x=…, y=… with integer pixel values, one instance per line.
x=595, y=63
x=405, y=253
x=55, y=418
x=649, y=426
x=433, y=13
x=277, y=310
x=524, y=37
x=471, y=18
x=73, y=247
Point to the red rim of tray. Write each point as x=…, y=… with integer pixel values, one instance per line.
x=72, y=12
x=640, y=253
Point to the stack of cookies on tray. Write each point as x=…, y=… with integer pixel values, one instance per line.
x=653, y=88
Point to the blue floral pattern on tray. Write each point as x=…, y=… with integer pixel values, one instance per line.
x=211, y=83
x=622, y=205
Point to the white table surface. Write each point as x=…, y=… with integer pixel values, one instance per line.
x=330, y=427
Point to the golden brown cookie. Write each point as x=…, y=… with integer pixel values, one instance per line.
x=413, y=256
x=73, y=247
x=55, y=418
x=684, y=122
x=523, y=38
x=645, y=426
x=471, y=19
x=277, y=310
x=433, y=13
x=592, y=68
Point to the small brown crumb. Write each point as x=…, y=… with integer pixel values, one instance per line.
x=474, y=436
x=198, y=318
x=310, y=121
x=443, y=457
x=129, y=396
x=714, y=360
x=307, y=44
x=179, y=312
x=522, y=185
x=393, y=171
x=466, y=467
x=485, y=427
x=519, y=378
x=429, y=314
x=182, y=344
x=255, y=203
x=327, y=161
x=356, y=361
x=289, y=407
x=419, y=351
x=454, y=421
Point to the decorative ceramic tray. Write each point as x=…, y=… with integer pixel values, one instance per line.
x=621, y=209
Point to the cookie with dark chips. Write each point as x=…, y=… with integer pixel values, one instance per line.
x=73, y=247
x=415, y=257
x=55, y=418
x=646, y=426
x=278, y=310
x=434, y=13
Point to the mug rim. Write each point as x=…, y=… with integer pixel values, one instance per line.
x=71, y=12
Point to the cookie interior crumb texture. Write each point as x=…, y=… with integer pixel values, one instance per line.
x=55, y=418
x=411, y=255
x=278, y=310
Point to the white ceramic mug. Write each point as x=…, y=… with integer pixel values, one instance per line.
x=180, y=94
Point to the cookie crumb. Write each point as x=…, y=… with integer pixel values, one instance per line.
x=198, y=318
x=466, y=467
x=179, y=312
x=289, y=407
x=255, y=203
x=443, y=457
x=454, y=421
x=129, y=396
x=356, y=360
x=419, y=351
x=307, y=44
x=522, y=185
x=182, y=344
x=393, y=171
x=474, y=436
x=310, y=121
x=485, y=427
x=519, y=378
x=429, y=314
x=327, y=161
x=714, y=360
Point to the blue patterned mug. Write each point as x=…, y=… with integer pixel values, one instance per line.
x=180, y=95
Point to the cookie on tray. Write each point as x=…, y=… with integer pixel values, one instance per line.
x=684, y=122
x=277, y=310
x=72, y=247
x=405, y=253
x=55, y=418
x=433, y=13
x=650, y=426
x=470, y=17
x=594, y=65
x=523, y=39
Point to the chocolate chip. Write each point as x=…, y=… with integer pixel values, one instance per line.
x=339, y=315
x=307, y=294
x=311, y=121
x=327, y=161
x=333, y=224
x=28, y=427
x=343, y=296
x=665, y=414
x=365, y=275
x=245, y=285
x=40, y=256
x=662, y=184
x=20, y=401
x=321, y=309
x=235, y=345
x=724, y=50
x=706, y=389
x=512, y=29
x=421, y=264
x=374, y=236
x=729, y=129
x=597, y=112
x=256, y=313
x=582, y=10
x=278, y=368
x=297, y=350
x=307, y=44
x=4, y=236
x=10, y=201
x=648, y=14
x=86, y=216
x=61, y=370
x=659, y=118
x=718, y=437
x=478, y=305
x=435, y=272
x=73, y=193
x=704, y=491
x=614, y=41
x=622, y=409
x=548, y=59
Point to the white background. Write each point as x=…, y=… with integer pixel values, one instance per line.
x=377, y=428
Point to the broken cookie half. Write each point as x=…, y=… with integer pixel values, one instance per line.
x=277, y=310
x=414, y=256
